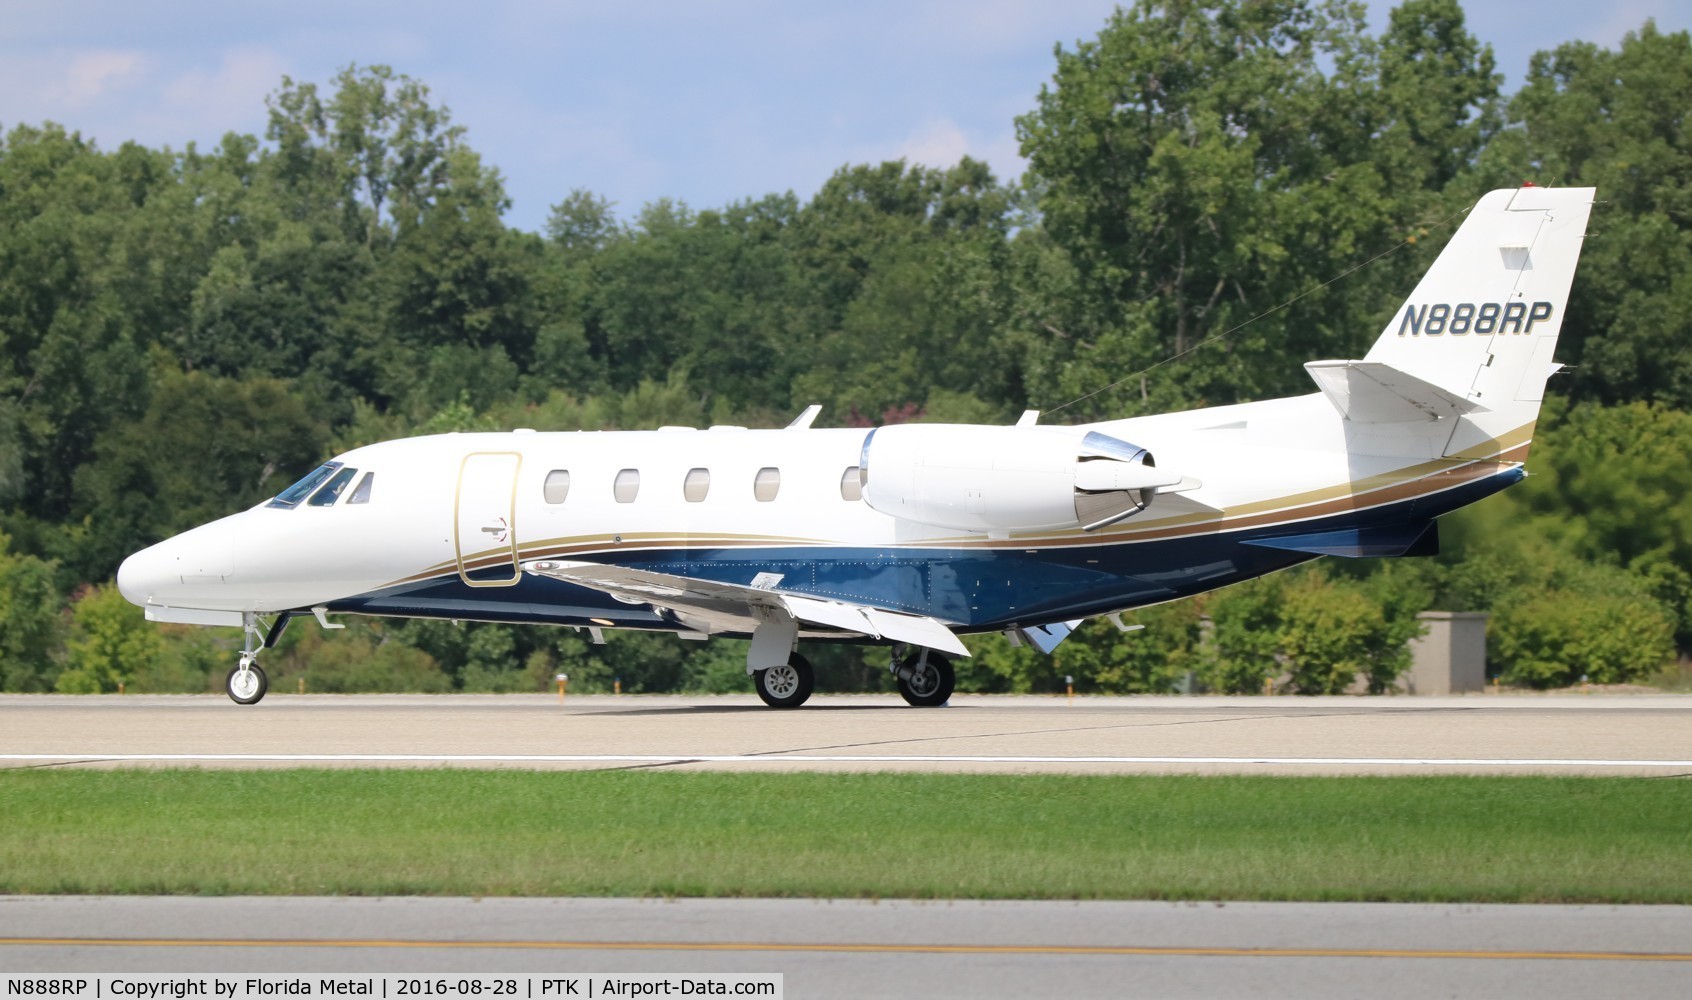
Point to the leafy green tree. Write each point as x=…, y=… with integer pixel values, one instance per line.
x=1331, y=634
x=205, y=447
x=461, y=296
x=1152, y=660
x=30, y=626
x=1203, y=164
x=111, y=644
x=1616, y=119
x=377, y=142
x=1245, y=640
x=79, y=245
x=1604, y=506
x=582, y=223
x=1554, y=638
x=181, y=333
x=365, y=657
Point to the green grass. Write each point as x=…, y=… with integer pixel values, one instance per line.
x=459, y=832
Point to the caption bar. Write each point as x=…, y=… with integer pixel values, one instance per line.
x=394, y=987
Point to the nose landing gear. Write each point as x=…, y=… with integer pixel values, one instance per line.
x=247, y=682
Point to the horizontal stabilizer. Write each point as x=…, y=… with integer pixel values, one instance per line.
x=1176, y=501
x=1372, y=392
x=1418, y=538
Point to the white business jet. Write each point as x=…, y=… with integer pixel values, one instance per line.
x=911, y=535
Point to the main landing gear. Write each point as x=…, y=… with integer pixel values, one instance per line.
x=785, y=685
x=925, y=678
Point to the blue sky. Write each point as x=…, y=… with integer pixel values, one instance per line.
x=706, y=102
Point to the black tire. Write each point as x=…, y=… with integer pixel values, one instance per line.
x=790, y=685
x=931, y=684
x=245, y=696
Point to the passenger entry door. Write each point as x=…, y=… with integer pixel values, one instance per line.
x=485, y=519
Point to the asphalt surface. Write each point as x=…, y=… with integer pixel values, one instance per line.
x=1580, y=734
x=838, y=948
x=889, y=948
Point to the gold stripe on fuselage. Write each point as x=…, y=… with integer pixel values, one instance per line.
x=1400, y=485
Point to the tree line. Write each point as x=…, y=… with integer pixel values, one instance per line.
x=182, y=333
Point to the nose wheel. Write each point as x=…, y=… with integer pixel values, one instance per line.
x=247, y=683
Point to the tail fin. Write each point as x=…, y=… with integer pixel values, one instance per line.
x=1482, y=325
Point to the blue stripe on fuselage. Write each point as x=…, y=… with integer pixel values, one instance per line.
x=981, y=589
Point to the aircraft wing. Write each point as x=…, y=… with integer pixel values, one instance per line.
x=713, y=598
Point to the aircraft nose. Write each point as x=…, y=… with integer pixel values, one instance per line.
x=177, y=569
x=148, y=573
x=134, y=576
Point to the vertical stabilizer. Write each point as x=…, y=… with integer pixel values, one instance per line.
x=1483, y=322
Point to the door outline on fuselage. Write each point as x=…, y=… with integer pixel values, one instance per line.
x=510, y=519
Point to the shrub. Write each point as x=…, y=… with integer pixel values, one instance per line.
x=1551, y=639
x=111, y=644
x=30, y=624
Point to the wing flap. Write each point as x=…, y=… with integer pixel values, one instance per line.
x=917, y=630
x=841, y=616
x=628, y=583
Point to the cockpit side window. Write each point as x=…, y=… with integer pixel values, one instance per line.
x=362, y=493
x=332, y=490
x=291, y=496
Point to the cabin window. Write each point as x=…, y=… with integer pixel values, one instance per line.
x=291, y=496
x=696, y=485
x=627, y=486
x=332, y=490
x=766, y=485
x=557, y=485
x=850, y=486
x=362, y=493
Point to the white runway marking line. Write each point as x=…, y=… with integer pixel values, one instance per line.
x=794, y=758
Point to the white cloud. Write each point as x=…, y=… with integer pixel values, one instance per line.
x=230, y=97
x=940, y=142
x=91, y=74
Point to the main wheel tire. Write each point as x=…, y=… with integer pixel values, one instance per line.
x=787, y=685
x=248, y=689
x=930, y=683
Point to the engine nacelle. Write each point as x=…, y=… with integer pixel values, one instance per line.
x=1004, y=479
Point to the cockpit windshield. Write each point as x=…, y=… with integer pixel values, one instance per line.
x=292, y=496
x=332, y=490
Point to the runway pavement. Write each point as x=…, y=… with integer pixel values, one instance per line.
x=837, y=948
x=1581, y=734
x=891, y=948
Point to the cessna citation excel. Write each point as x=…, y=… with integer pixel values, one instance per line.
x=911, y=535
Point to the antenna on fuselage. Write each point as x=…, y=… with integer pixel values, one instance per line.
x=804, y=420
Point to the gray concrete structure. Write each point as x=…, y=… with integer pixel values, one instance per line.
x=1450, y=656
